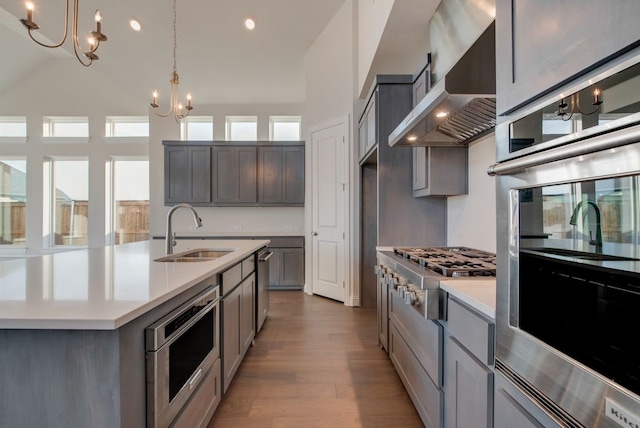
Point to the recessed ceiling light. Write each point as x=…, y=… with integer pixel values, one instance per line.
x=412, y=138
x=135, y=24
x=442, y=114
x=249, y=24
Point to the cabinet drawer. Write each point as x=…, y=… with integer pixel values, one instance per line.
x=426, y=396
x=474, y=331
x=230, y=278
x=248, y=266
x=424, y=337
x=286, y=242
x=200, y=408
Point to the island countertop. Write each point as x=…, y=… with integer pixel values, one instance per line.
x=103, y=288
x=480, y=294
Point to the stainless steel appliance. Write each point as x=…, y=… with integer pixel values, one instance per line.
x=181, y=348
x=569, y=278
x=262, y=306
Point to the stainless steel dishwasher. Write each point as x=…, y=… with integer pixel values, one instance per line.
x=262, y=307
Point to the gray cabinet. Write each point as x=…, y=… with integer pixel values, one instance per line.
x=469, y=358
x=382, y=300
x=187, y=174
x=238, y=173
x=543, y=44
x=367, y=129
x=286, y=266
x=440, y=171
x=234, y=175
x=238, y=316
x=281, y=175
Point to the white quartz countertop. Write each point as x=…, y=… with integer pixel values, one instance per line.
x=480, y=294
x=103, y=288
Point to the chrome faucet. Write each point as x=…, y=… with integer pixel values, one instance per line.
x=574, y=220
x=170, y=238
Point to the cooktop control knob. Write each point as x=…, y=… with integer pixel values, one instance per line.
x=399, y=280
x=401, y=290
x=409, y=297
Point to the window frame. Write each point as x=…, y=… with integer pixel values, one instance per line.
x=112, y=121
x=230, y=120
x=13, y=139
x=284, y=119
x=49, y=133
x=184, y=126
x=18, y=158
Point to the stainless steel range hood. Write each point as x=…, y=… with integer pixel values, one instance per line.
x=461, y=106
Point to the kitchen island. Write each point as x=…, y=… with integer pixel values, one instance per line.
x=72, y=346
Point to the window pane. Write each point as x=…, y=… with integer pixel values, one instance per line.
x=286, y=131
x=13, y=126
x=199, y=131
x=13, y=201
x=131, y=196
x=65, y=127
x=242, y=128
x=71, y=212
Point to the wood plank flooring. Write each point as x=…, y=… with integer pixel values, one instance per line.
x=316, y=364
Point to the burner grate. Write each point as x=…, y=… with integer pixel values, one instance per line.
x=451, y=261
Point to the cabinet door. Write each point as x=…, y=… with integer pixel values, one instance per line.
x=232, y=344
x=247, y=322
x=274, y=267
x=187, y=174
x=293, y=175
x=372, y=130
x=440, y=171
x=292, y=267
x=419, y=168
x=532, y=62
x=383, y=312
x=234, y=175
x=468, y=388
x=270, y=181
x=362, y=138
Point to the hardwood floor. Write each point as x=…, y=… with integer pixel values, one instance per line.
x=316, y=364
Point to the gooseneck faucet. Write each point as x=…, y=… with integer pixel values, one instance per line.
x=170, y=238
x=574, y=220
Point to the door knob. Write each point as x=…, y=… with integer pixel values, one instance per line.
x=314, y=233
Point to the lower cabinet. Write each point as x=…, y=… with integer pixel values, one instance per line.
x=286, y=266
x=382, y=299
x=468, y=361
x=198, y=411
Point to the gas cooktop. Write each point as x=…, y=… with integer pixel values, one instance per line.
x=451, y=261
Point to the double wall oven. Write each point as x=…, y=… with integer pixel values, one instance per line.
x=568, y=302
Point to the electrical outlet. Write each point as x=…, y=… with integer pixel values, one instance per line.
x=288, y=227
x=237, y=227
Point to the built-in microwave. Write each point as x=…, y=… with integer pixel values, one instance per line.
x=568, y=278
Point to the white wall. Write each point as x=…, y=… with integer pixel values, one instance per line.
x=330, y=82
x=471, y=218
x=220, y=220
x=372, y=19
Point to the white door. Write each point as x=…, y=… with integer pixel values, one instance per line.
x=329, y=196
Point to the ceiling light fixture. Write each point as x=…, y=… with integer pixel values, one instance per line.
x=179, y=110
x=135, y=24
x=575, y=103
x=442, y=114
x=249, y=24
x=93, y=40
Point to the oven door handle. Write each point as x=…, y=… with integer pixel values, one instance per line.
x=194, y=379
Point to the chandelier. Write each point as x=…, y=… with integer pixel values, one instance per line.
x=86, y=57
x=179, y=110
x=566, y=115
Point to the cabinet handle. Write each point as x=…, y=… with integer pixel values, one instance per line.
x=314, y=233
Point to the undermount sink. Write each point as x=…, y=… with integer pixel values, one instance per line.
x=199, y=255
x=581, y=255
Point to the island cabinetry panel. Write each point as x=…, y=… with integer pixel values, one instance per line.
x=234, y=175
x=286, y=266
x=544, y=44
x=281, y=175
x=469, y=359
x=198, y=411
x=238, y=316
x=440, y=171
x=187, y=174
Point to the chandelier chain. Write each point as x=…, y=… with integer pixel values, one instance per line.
x=175, y=37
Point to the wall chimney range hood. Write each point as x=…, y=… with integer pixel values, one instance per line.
x=460, y=106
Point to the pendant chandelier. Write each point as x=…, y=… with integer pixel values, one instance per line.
x=179, y=110
x=86, y=57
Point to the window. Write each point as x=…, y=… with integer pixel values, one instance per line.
x=242, y=128
x=13, y=126
x=13, y=201
x=197, y=128
x=127, y=126
x=129, y=219
x=284, y=128
x=65, y=126
x=68, y=208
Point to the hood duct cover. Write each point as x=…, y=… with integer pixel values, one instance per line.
x=461, y=106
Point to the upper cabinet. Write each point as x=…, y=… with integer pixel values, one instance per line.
x=234, y=175
x=187, y=174
x=544, y=44
x=224, y=173
x=281, y=172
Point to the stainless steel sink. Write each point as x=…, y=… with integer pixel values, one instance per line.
x=581, y=255
x=198, y=255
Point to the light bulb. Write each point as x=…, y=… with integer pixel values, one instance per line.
x=97, y=16
x=249, y=24
x=30, y=6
